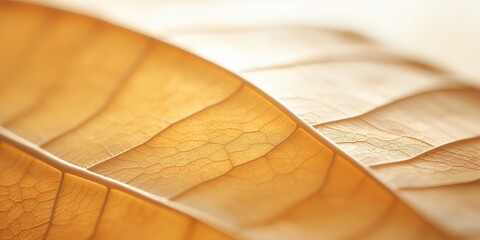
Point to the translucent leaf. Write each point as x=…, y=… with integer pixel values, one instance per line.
x=414, y=124
x=159, y=141
x=51, y=199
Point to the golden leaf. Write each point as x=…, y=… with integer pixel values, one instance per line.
x=163, y=144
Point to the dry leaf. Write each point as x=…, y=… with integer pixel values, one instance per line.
x=163, y=144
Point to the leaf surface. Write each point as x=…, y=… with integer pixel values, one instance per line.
x=414, y=124
x=162, y=139
x=53, y=200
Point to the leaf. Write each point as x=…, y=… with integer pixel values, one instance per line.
x=415, y=125
x=162, y=139
x=55, y=200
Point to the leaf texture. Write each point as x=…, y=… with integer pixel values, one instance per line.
x=414, y=124
x=56, y=201
x=167, y=143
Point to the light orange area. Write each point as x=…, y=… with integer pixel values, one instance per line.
x=168, y=145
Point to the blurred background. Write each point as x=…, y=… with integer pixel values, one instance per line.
x=442, y=32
